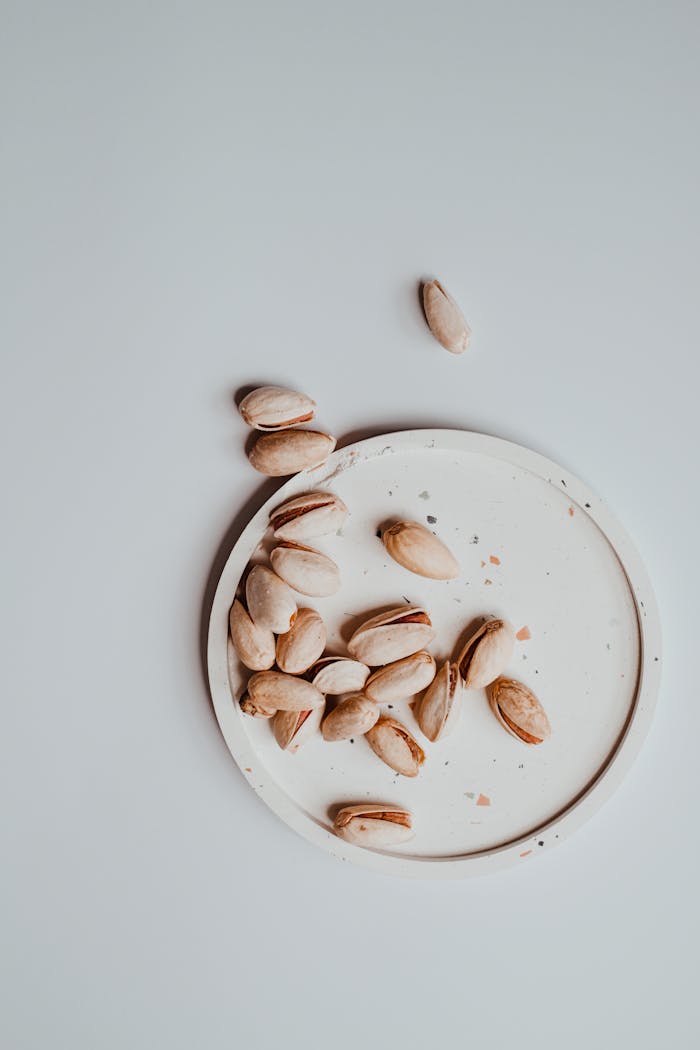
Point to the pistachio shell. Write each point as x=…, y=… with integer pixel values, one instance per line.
x=391, y=635
x=339, y=674
x=307, y=516
x=417, y=549
x=519, y=711
x=289, y=451
x=373, y=826
x=306, y=570
x=303, y=643
x=275, y=407
x=271, y=604
x=401, y=679
x=352, y=717
x=249, y=707
x=438, y=709
x=254, y=645
x=294, y=728
x=393, y=743
x=486, y=654
x=445, y=318
x=283, y=692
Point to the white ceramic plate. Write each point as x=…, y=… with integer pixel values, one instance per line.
x=536, y=546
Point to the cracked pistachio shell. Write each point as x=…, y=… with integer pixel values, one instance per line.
x=289, y=451
x=417, y=549
x=486, y=654
x=306, y=570
x=391, y=635
x=519, y=711
x=392, y=742
x=293, y=728
x=275, y=407
x=401, y=679
x=249, y=707
x=373, y=826
x=271, y=604
x=303, y=643
x=437, y=711
x=353, y=716
x=334, y=675
x=445, y=318
x=254, y=645
x=307, y=516
x=283, y=692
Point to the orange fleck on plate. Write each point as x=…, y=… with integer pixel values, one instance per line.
x=494, y=560
x=483, y=800
x=571, y=512
x=248, y=769
x=482, y=564
x=526, y=853
x=523, y=634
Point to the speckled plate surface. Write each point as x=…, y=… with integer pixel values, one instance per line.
x=536, y=546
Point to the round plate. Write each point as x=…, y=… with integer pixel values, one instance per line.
x=535, y=546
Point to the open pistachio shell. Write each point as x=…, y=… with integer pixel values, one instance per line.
x=390, y=636
x=271, y=604
x=254, y=645
x=283, y=692
x=417, y=549
x=305, y=569
x=401, y=679
x=293, y=728
x=519, y=711
x=374, y=826
x=275, y=408
x=334, y=675
x=486, y=654
x=303, y=643
x=289, y=451
x=249, y=707
x=392, y=742
x=353, y=716
x=438, y=709
x=307, y=516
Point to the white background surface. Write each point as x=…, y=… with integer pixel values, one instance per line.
x=201, y=196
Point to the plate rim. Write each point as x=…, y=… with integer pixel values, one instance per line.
x=607, y=779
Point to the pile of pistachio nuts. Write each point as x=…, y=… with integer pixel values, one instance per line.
x=302, y=689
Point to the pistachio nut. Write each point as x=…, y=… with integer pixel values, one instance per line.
x=249, y=707
x=391, y=635
x=283, y=692
x=401, y=679
x=305, y=569
x=289, y=451
x=303, y=643
x=416, y=548
x=271, y=604
x=307, y=516
x=352, y=717
x=293, y=728
x=519, y=711
x=393, y=743
x=254, y=645
x=438, y=709
x=275, y=407
x=373, y=826
x=486, y=654
x=445, y=318
x=334, y=675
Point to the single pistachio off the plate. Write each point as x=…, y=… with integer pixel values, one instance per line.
x=289, y=451
x=445, y=318
x=271, y=604
x=519, y=711
x=293, y=728
x=305, y=569
x=392, y=742
x=401, y=679
x=391, y=635
x=373, y=826
x=275, y=408
x=254, y=645
x=417, y=549
x=303, y=643
x=308, y=516
x=334, y=675
x=486, y=654
x=283, y=692
x=353, y=716
x=437, y=711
